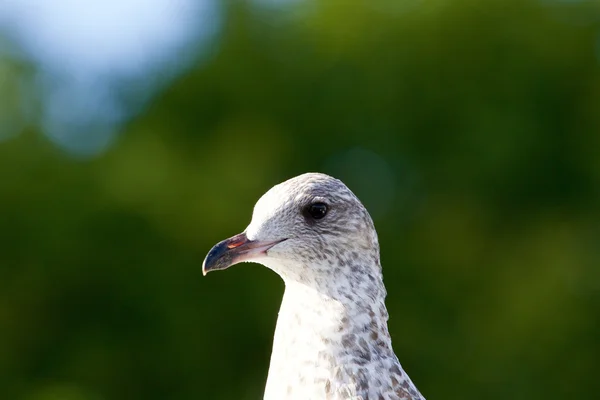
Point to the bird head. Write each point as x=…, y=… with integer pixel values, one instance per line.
x=306, y=228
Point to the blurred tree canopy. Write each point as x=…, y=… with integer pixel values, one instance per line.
x=470, y=129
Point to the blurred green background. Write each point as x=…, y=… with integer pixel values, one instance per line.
x=470, y=130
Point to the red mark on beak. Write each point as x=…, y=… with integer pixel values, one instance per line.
x=237, y=242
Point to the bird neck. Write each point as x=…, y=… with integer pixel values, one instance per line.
x=329, y=308
x=338, y=302
x=320, y=338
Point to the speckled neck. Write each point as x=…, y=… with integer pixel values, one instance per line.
x=327, y=342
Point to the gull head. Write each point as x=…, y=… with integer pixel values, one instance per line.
x=308, y=229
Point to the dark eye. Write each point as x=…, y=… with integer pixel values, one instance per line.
x=317, y=210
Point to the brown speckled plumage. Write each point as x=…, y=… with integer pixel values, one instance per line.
x=332, y=340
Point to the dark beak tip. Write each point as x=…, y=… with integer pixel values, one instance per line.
x=222, y=255
x=211, y=262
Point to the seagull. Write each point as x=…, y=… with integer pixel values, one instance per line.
x=331, y=340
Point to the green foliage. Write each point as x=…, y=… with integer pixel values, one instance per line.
x=470, y=129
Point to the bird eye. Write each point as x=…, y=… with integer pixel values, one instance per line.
x=317, y=210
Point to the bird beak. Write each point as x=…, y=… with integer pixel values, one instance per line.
x=235, y=250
